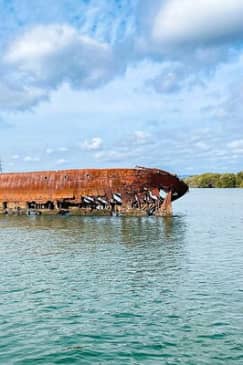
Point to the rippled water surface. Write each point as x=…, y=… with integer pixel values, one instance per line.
x=125, y=290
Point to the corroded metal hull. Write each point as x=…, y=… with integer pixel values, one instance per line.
x=110, y=189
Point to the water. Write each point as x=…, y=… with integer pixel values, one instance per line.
x=125, y=290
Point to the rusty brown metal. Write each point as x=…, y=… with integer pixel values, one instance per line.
x=134, y=186
x=166, y=207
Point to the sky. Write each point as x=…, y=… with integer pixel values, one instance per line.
x=120, y=83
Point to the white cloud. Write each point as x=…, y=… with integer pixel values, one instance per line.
x=202, y=146
x=51, y=55
x=45, y=57
x=15, y=95
x=141, y=137
x=39, y=43
x=115, y=156
x=172, y=78
x=61, y=161
x=197, y=35
x=15, y=157
x=63, y=149
x=198, y=21
x=236, y=146
x=93, y=144
x=31, y=159
x=49, y=151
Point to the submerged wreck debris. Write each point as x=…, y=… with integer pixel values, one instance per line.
x=136, y=191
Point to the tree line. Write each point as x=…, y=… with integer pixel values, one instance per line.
x=214, y=180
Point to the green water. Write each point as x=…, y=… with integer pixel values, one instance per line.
x=125, y=290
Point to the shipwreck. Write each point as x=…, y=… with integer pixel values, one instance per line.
x=134, y=191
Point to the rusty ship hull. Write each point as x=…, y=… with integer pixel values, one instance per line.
x=85, y=190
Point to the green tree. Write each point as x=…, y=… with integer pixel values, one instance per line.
x=214, y=180
x=227, y=181
x=208, y=180
x=239, y=179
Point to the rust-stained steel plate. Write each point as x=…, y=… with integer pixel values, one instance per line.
x=74, y=184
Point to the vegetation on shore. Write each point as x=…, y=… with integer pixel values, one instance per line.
x=213, y=180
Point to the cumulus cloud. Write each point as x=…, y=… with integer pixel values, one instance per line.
x=236, y=146
x=49, y=151
x=50, y=55
x=193, y=33
x=111, y=156
x=188, y=39
x=44, y=57
x=199, y=34
x=198, y=22
x=141, y=137
x=118, y=155
x=31, y=159
x=171, y=79
x=202, y=145
x=17, y=96
x=93, y=144
x=61, y=161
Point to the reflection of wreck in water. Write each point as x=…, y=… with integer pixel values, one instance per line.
x=91, y=191
x=143, y=231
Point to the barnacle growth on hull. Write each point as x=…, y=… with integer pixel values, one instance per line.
x=134, y=191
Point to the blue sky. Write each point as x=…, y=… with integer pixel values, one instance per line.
x=102, y=83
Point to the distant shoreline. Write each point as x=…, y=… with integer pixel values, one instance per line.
x=215, y=180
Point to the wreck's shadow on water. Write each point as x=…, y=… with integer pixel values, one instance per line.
x=125, y=230
x=116, y=290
